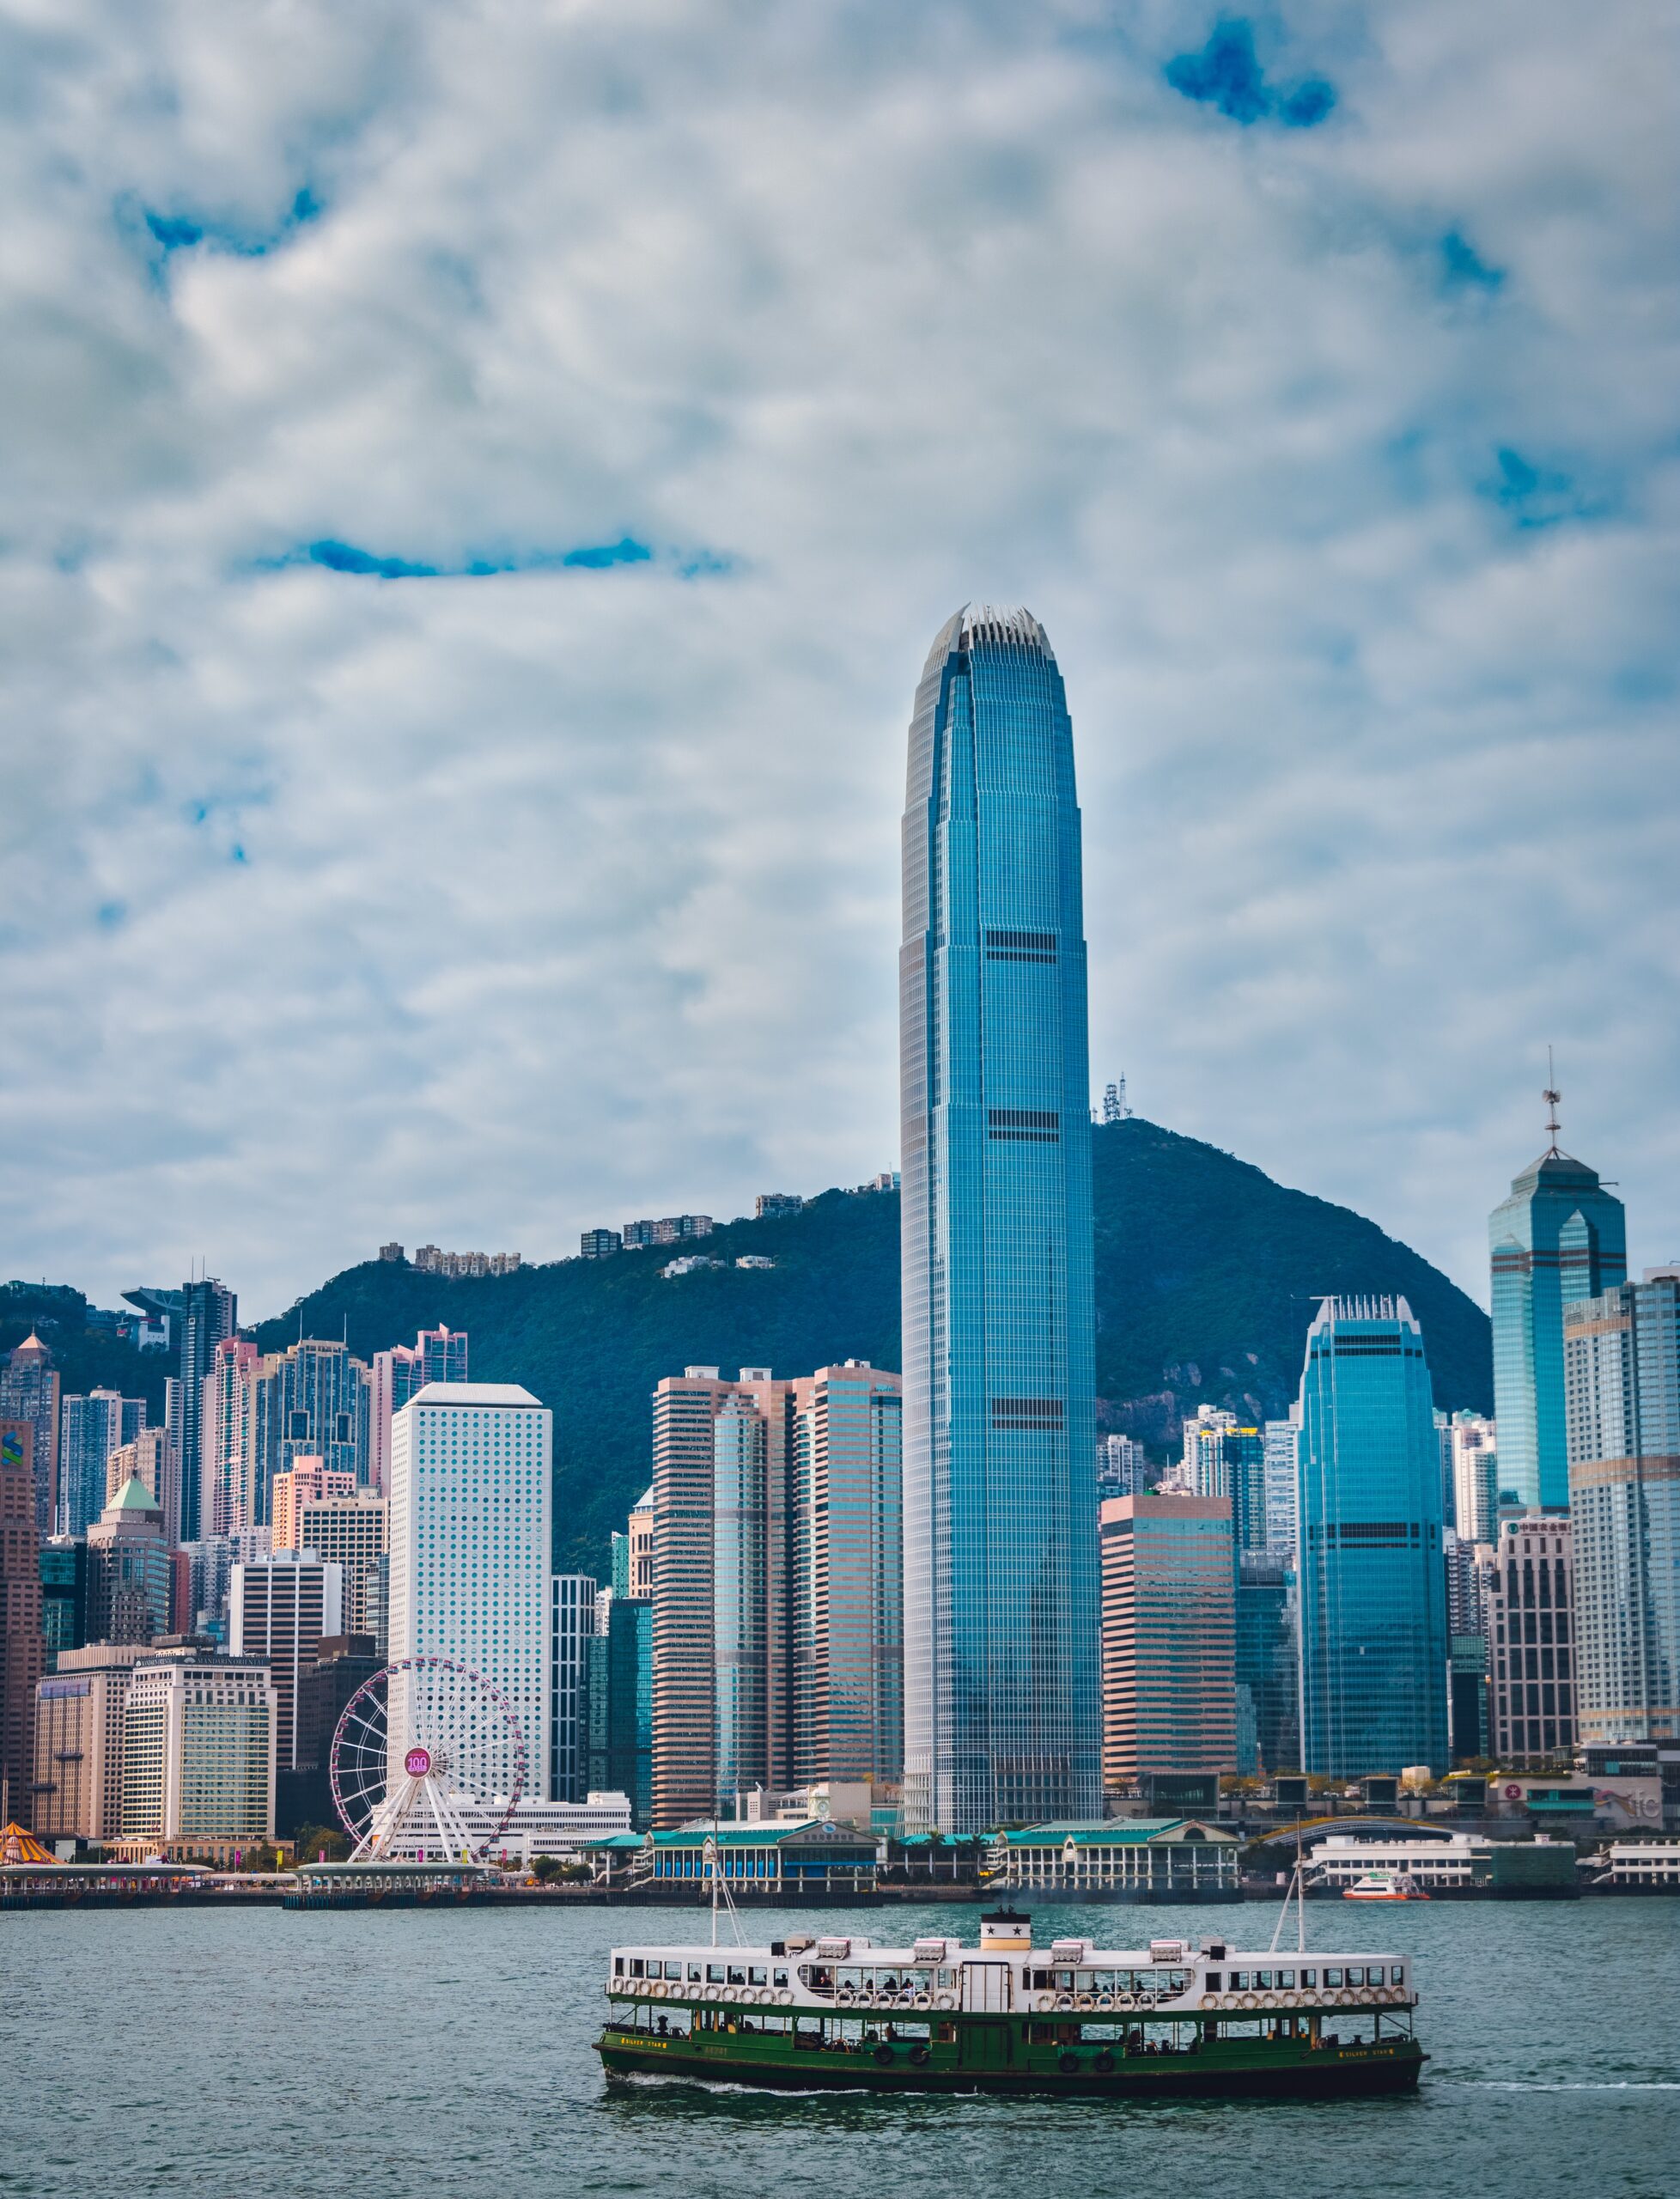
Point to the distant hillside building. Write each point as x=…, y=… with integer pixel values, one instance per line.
x=673, y=1229
x=465, y=1266
x=601, y=1244
x=773, y=1206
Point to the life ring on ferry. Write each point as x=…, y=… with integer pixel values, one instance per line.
x=920, y=2057
x=1064, y=2000
x=923, y=2001
x=1347, y=2000
x=784, y=1998
x=1104, y=2062
x=844, y=1997
x=1087, y=2001
x=657, y=1989
x=1106, y=1999
x=1368, y=1998
x=1248, y=2001
x=1288, y=1999
x=945, y=1999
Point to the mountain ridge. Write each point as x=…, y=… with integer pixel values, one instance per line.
x=1207, y=1273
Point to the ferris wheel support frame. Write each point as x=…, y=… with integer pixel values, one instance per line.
x=424, y=1793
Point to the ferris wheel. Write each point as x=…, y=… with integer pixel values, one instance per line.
x=428, y=1761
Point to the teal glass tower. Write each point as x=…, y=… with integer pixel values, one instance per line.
x=1002, y=1704
x=1559, y=1237
x=1372, y=1575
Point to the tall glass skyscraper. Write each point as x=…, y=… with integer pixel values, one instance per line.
x=1622, y=1360
x=1002, y=1706
x=1372, y=1581
x=1559, y=1236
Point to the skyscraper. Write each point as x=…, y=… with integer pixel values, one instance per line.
x=1530, y=1610
x=130, y=1579
x=1372, y=1582
x=1169, y=1601
x=1559, y=1236
x=205, y=1313
x=279, y=1608
x=777, y=1583
x=1474, y=1512
x=437, y=1355
x=1623, y=1356
x=1001, y=1626
x=23, y=1645
x=29, y=1391
x=90, y=1429
x=1225, y=1459
x=227, y=1503
x=471, y=1564
x=311, y=1400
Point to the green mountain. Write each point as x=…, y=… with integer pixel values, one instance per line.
x=1207, y=1272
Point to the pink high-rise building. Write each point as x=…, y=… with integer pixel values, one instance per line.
x=308, y=1482
x=436, y=1355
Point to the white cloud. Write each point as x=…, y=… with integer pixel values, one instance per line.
x=481, y=909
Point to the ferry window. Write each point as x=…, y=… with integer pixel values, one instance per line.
x=674, y=1969
x=714, y=1973
x=948, y=1978
x=695, y=1972
x=618, y=1965
x=1213, y=1985
x=1332, y=1977
x=1262, y=1979
x=635, y=1966
x=755, y=1977
x=1240, y=1981
x=1286, y=1979
x=1399, y=1973
x=781, y=1978
x=1309, y=1978
x=737, y=1976
x=1064, y=1981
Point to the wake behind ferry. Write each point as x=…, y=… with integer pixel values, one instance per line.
x=1008, y=2017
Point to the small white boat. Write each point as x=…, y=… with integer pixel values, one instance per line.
x=1383, y=1885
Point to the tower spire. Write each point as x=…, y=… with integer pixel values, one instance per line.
x=1551, y=1095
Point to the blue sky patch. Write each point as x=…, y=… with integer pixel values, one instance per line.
x=1532, y=495
x=347, y=557
x=1463, y=267
x=1226, y=74
x=180, y=232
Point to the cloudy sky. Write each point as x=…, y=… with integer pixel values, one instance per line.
x=480, y=482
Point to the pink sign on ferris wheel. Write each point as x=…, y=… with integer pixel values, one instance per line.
x=417, y=1763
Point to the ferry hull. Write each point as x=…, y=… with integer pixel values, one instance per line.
x=1329, y=2073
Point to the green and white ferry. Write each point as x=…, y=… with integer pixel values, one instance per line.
x=1175, y=2019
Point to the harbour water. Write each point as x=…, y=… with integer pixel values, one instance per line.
x=310, y=2056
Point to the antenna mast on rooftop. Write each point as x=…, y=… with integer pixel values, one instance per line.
x=1551, y=1095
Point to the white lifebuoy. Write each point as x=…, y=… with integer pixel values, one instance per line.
x=1064, y=2000
x=1087, y=2001
x=1249, y=2000
x=1289, y=2000
x=783, y=1997
x=1347, y=2000
x=945, y=1999
x=844, y=1997
x=1106, y=1999
x=924, y=2000
x=1366, y=1997
x=658, y=1989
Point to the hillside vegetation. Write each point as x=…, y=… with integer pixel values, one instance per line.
x=1206, y=1273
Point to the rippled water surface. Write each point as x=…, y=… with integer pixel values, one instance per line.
x=387, y=2055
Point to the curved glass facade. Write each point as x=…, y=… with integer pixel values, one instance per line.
x=1374, y=1639
x=1003, y=1719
